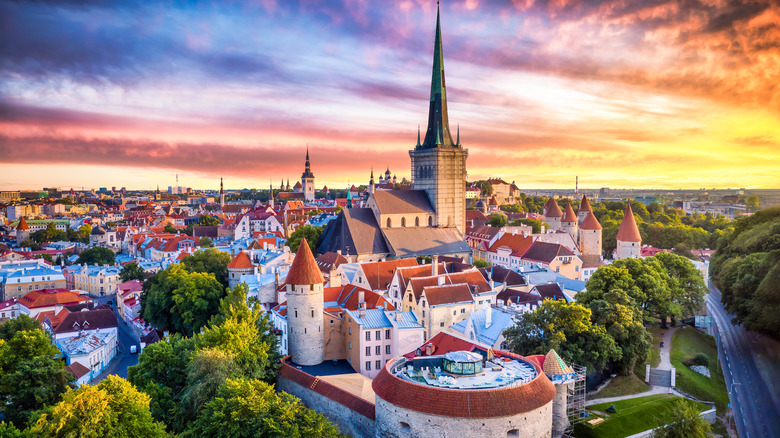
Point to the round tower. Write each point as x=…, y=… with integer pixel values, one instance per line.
x=590, y=235
x=629, y=241
x=569, y=222
x=553, y=214
x=585, y=207
x=22, y=231
x=305, y=305
x=562, y=376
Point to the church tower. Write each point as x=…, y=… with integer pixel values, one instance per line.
x=438, y=163
x=221, y=194
x=371, y=182
x=307, y=179
x=629, y=241
x=305, y=306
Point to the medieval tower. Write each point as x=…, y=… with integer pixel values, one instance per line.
x=307, y=179
x=590, y=235
x=629, y=241
x=438, y=163
x=569, y=222
x=305, y=304
x=221, y=194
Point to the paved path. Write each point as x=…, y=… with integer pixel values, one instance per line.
x=755, y=412
x=666, y=363
x=653, y=391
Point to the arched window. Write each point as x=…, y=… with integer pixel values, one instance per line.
x=403, y=222
x=417, y=222
x=430, y=221
x=389, y=223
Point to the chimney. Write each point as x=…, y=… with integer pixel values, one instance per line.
x=542, y=229
x=488, y=315
x=398, y=315
x=362, y=299
x=435, y=265
x=276, y=278
x=442, y=279
x=338, y=251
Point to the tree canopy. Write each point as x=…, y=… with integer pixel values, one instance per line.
x=746, y=269
x=97, y=255
x=209, y=261
x=497, y=220
x=312, y=235
x=686, y=423
x=132, y=271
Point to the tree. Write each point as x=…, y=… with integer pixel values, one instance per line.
x=112, y=408
x=210, y=261
x=34, y=246
x=752, y=203
x=45, y=256
x=48, y=234
x=170, y=229
x=206, y=372
x=21, y=323
x=8, y=430
x=480, y=263
x=312, y=235
x=251, y=405
x=208, y=220
x=205, y=242
x=84, y=232
x=132, y=271
x=686, y=423
x=497, y=220
x=566, y=328
x=30, y=376
x=536, y=225
x=686, y=283
x=97, y=255
x=485, y=187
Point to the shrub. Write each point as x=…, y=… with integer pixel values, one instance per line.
x=612, y=409
x=701, y=359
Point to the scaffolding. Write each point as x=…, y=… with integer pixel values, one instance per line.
x=575, y=402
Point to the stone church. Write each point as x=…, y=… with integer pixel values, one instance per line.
x=429, y=219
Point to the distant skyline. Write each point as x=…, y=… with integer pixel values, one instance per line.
x=643, y=94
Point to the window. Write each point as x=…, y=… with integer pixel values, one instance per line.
x=368, y=336
x=463, y=310
x=312, y=313
x=350, y=345
x=403, y=222
x=350, y=330
x=441, y=324
x=378, y=364
x=423, y=312
x=378, y=335
x=368, y=365
x=331, y=321
x=430, y=221
x=410, y=297
x=296, y=313
x=454, y=312
x=417, y=222
x=387, y=334
x=387, y=349
x=368, y=351
x=389, y=223
x=378, y=350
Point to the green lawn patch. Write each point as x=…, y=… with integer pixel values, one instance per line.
x=623, y=385
x=654, y=358
x=686, y=344
x=633, y=416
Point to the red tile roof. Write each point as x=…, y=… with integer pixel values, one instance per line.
x=584, y=204
x=518, y=243
x=474, y=403
x=448, y=294
x=551, y=209
x=22, y=226
x=568, y=214
x=51, y=297
x=304, y=269
x=442, y=343
x=628, y=231
x=380, y=274
x=546, y=252
x=77, y=370
x=241, y=261
x=590, y=222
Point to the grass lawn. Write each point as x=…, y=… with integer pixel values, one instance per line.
x=687, y=342
x=654, y=358
x=633, y=416
x=623, y=385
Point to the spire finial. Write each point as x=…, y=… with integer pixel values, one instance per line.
x=458, y=141
x=418, y=136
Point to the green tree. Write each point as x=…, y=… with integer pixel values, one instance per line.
x=45, y=256
x=97, y=255
x=209, y=261
x=752, y=203
x=485, y=187
x=21, y=323
x=208, y=220
x=686, y=283
x=170, y=229
x=497, y=220
x=132, y=271
x=480, y=263
x=243, y=405
x=566, y=328
x=312, y=235
x=205, y=242
x=8, y=430
x=83, y=233
x=112, y=408
x=48, y=234
x=34, y=246
x=536, y=225
x=206, y=372
x=686, y=423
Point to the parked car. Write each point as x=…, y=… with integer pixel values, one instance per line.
x=133, y=349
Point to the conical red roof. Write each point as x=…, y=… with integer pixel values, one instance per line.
x=22, y=226
x=584, y=204
x=568, y=214
x=628, y=231
x=304, y=269
x=590, y=222
x=552, y=209
x=241, y=261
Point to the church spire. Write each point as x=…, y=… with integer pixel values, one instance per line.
x=307, y=170
x=438, y=120
x=418, y=137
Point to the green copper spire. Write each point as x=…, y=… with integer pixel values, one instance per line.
x=418, y=137
x=458, y=141
x=438, y=119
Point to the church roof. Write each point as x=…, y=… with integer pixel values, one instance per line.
x=590, y=222
x=584, y=204
x=628, y=231
x=568, y=214
x=297, y=185
x=241, y=261
x=402, y=201
x=22, y=226
x=551, y=209
x=304, y=269
x=415, y=241
x=354, y=231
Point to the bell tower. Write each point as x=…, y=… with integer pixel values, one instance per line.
x=438, y=163
x=307, y=179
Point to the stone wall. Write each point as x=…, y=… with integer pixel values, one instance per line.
x=396, y=422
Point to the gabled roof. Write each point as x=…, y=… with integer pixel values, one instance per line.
x=518, y=297
x=241, y=261
x=568, y=214
x=304, y=268
x=551, y=291
x=87, y=320
x=330, y=260
x=628, y=231
x=500, y=274
x=448, y=294
x=546, y=252
x=443, y=343
x=297, y=185
x=584, y=204
x=402, y=201
x=517, y=243
x=471, y=277
x=354, y=231
x=590, y=222
x=551, y=209
x=428, y=241
x=380, y=274
x=77, y=370
x=51, y=297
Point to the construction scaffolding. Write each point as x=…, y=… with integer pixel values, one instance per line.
x=575, y=403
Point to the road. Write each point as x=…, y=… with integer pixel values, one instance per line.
x=755, y=412
x=123, y=358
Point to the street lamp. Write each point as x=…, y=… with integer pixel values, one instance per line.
x=730, y=405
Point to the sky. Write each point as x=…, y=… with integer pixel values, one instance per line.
x=637, y=94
